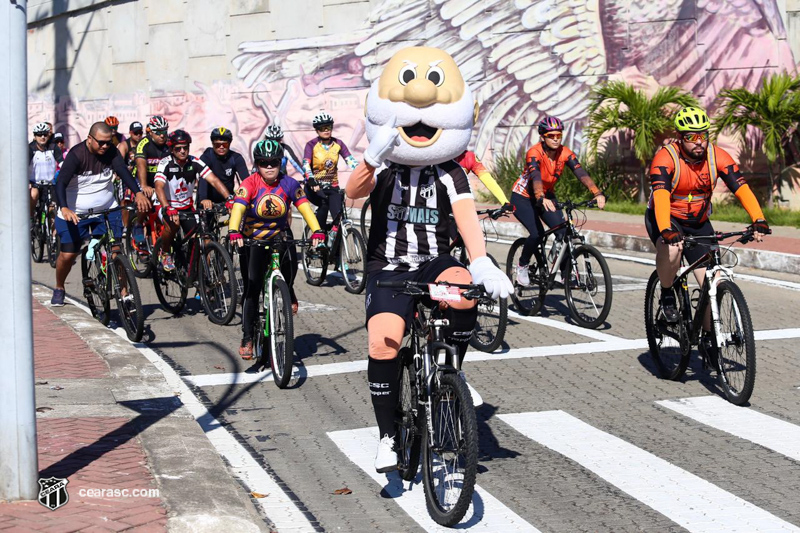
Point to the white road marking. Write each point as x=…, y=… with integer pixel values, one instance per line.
x=769, y=432
x=791, y=285
x=563, y=326
x=486, y=513
x=346, y=367
x=681, y=496
x=279, y=507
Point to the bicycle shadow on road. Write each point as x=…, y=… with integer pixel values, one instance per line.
x=694, y=372
x=489, y=447
x=312, y=344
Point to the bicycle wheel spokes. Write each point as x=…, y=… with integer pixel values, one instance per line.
x=737, y=358
x=282, y=334
x=528, y=298
x=588, y=287
x=218, y=284
x=451, y=451
x=353, y=252
x=96, y=289
x=315, y=261
x=129, y=305
x=171, y=287
x=668, y=342
x=408, y=435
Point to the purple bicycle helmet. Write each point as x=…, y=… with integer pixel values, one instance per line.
x=549, y=124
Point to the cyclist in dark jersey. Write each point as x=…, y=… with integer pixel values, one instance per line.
x=149, y=152
x=275, y=133
x=135, y=134
x=227, y=165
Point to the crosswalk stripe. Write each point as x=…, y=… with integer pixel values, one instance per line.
x=359, y=446
x=764, y=430
x=681, y=496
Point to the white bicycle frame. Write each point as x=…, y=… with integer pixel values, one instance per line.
x=714, y=276
x=268, y=307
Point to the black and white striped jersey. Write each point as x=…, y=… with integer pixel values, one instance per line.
x=411, y=209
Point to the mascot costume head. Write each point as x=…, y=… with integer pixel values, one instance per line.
x=422, y=93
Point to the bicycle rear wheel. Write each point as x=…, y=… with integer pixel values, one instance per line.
x=218, y=291
x=139, y=253
x=96, y=287
x=315, y=261
x=129, y=307
x=450, y=451
x=171, y=287
x=281, y=353
x=409, y=426
x=528, y=299
x=589, y=300
x=353, y=260
x=669, y=343
x=737, y=355
x=490, y=329
x=38, y=239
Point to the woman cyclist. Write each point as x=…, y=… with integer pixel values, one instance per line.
x=533, y=196
x=320, y=162
x=263, y=201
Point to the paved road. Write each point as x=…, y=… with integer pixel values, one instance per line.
x=583, y=438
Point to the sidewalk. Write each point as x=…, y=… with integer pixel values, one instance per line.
x=134, y=458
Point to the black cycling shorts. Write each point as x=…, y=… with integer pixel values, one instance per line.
x=386, y=300
x=703, y=229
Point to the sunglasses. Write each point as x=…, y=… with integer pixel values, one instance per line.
x=136, y=132
x=325, y=128
x=695, y=137
x=220, y=144
x=159, y=132
x=553, y=135
x=101, y=143
x=268, y=163
x=40, y=135
x=181, y=148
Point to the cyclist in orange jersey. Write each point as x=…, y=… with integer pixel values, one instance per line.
x=533, y=193
x=682, y=179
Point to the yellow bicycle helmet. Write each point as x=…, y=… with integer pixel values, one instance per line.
x=691, y=119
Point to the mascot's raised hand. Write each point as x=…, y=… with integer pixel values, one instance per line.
x=382, y=143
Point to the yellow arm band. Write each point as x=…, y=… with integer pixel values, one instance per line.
x=749, y=202
x=235, y=220
x=494, y=187
x=308, y=215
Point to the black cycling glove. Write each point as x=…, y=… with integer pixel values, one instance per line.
x=760, y=226
x=671, y=236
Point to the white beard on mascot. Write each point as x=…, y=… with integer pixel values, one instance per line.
x=419, y=117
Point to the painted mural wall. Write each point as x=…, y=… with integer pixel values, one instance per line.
x=523, y=59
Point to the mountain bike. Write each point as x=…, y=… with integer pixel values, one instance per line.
x=202, y=262
x=435, y=413
x=671, y=344
x=490, y=330
x=106, y=274
x=583, y=270
x=140, y=251
x=43, y=234
x=345, y=249
x=274, y=339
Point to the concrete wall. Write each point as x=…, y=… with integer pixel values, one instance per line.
x=248, y=63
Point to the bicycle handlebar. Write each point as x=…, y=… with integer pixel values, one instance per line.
x=100, y=212
x=569, y=204
x=418, y=288
x=496, y=213
x=745, y=236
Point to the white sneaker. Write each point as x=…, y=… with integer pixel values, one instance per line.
x=386, y=458
x=522, y=275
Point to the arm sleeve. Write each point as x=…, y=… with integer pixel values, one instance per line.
x=202, y=190
x=661, y=171
x=308, y=215
x=121, y=170
x=65, y=175
x=58, y=154
x=535, y=185
x=308, y=155
x=237, y=213
x=490, y=183
x=749, y=202
x=730, y=174
x=583, y=176
x=293, y=159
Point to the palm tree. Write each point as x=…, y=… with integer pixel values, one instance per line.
x=774, y=109
x=617, y=105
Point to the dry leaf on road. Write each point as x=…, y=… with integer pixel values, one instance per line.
x=343, y=491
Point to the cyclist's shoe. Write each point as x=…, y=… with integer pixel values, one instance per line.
x=709, y=350
x=295, y=306
x=167, y=263
x=386, y=458
x=58, y=298
x=669, y=306
x=522, y=275
x=477, y=400
x=246, y=349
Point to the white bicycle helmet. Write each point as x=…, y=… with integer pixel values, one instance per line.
x=274, y=132
x=322, y=119
x=41, y=127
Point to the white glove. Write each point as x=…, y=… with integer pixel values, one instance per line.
x=492, y=278
x=382, y=143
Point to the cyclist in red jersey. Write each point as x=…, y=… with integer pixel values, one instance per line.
x=533, y=195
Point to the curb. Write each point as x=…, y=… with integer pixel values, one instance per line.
x=759, y=259
x=197, y=488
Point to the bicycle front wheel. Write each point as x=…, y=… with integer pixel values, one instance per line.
x=669, y=343
x=171, y=286
x=366, y=209
x=490, y=329
x=315, y=261
x=450, y=451
x=409, y=428
x=281, y=356
x=96, y=287
x=37, y=241
x=218, y=291
x=129, y=307
x=527, y=298
x=737, y=354
x=353, y=260
x=588, y=287
x=139, y=252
